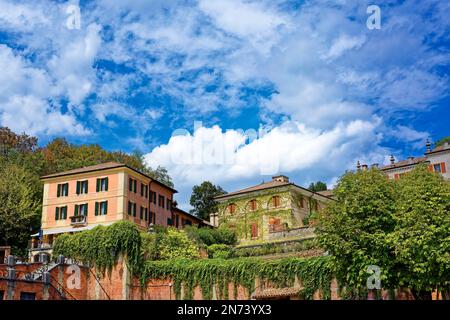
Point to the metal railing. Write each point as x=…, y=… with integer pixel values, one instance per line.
x=78, y=220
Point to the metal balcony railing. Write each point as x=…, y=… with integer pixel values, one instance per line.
x=78, y=220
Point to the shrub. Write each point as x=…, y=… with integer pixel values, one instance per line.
x=221, y=235
x=219, y=251
x=176, y=244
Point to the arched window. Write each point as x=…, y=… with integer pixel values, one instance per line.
x=252, y=204
x=276, y=201
x=232, y=208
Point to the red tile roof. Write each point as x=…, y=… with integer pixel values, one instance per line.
x=102, y=166
x=262, y=186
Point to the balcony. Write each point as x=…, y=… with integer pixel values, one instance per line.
x=78, y=221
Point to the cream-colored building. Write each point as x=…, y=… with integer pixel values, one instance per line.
x=437, y=160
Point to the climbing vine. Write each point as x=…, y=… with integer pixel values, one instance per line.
x=314, y=274
x=102, y=246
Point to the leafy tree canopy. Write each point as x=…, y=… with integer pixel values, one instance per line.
x=318, y=186
x=202, y=199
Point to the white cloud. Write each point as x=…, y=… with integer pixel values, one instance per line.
x=292, y=147
x=26, y=99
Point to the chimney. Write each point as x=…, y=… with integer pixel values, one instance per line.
x=280, y=178
x=358, y=165
x=392, y=159
x=410, y=159
x=428, y=146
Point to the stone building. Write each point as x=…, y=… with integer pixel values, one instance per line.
x=270, y=210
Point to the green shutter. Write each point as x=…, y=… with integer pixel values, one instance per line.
x=130, y=184
x=87, y=186
x=78, y=187
x=96, y=206
x=75, y=213
x=58, y=193
x=97, y=188
x=57, y=213
x=86, y=211
x=65, y=212
x=106, y=184
x=106, y=206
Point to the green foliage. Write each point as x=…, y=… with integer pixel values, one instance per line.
x=421, y=237
x=274, y=248
x=314, y=274
x=401, y=226
x=102, y=246
x=206, y=236
x=176, y=244
x=202, y=199
x=20, y=206
x=442, y=141
x=354, y=228
x=221, y=251
x=318, y=186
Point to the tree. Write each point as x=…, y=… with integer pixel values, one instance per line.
x=202, y=199
x=421, y=238
x=20, y=206
x=442, y=141
x=318, y=186
x=354, y=228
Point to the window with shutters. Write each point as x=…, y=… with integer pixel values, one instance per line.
x=81, y=210
x=61, y=213
x=232, y=208
x=276, y=201
x=82, y=187
x=437, y=167
x=101, y=208
x=62, y=190
x=132, y=185
x=252, y=205
x=141, y=213
x=102, y=185
x=161, y=200
x=146, y=214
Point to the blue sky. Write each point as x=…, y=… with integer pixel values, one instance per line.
x=318, y=88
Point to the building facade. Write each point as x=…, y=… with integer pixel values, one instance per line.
x=102, y=194
x=269, y=209
x=437, y=160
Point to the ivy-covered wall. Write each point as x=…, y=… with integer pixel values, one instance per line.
x=290, y=211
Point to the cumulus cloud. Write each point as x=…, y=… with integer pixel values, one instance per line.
x=26, y=99
x=229, y=155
